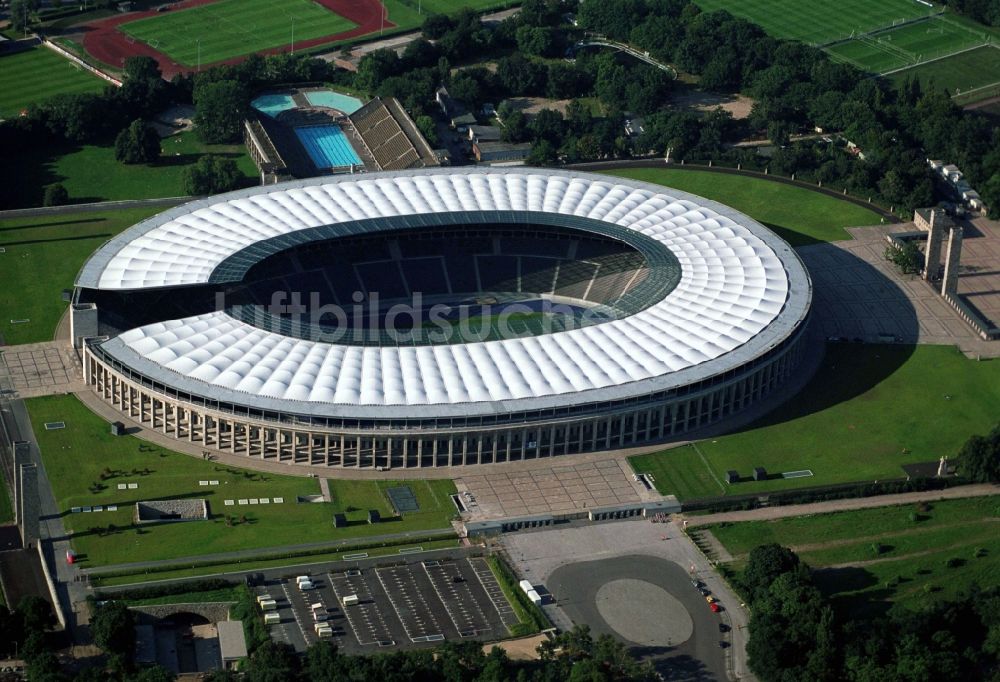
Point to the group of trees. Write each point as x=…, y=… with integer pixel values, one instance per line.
x=572, y=656
x=979, y=458
x=986, y=11
x=795, y=634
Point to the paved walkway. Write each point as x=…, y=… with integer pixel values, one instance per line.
x=46, y=368
x=771, y=513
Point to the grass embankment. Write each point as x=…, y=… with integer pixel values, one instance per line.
x=85, y=464
x=798, y=215
x=56, y=245
x=908, y=554
x=532, y=618
x=286, y=560
x=861, y=418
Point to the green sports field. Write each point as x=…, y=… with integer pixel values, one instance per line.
x=959, y=73
x=799, y=215
x=907, y=45
x=37, y=74
x=819, y=22
x=85, y=464
x=859, y=419
x=899, y=553
x=232, y=28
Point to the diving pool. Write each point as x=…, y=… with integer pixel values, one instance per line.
x=327, y=146
x=272, y=105
x=334, y=100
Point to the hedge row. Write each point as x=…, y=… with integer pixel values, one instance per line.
x=532, y=618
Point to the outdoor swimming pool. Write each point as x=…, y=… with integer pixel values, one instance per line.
x=327, y=146
x=334, y=100
x=272, y=105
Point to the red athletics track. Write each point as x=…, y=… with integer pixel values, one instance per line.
x=103, y=41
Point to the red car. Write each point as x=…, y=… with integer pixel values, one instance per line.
x=714, y=606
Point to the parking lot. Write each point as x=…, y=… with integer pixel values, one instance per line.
x=380, y=608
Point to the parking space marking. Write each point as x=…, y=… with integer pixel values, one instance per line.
x=410, y=605
x=364, y=617
x=493, y=591
x=457, y=598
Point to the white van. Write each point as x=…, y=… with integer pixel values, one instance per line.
x=271, y=618
x=268, y=605
x=306, y=585
x=263, y=597
x=303, y=579
x=351, y=600
x=323, y=630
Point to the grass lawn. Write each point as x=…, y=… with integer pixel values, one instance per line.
x=860, y=418
x=57, y=246
x=233, y=28
x=37, y=74
x=91, y=173
x=404, y=13
x=197, y=597
x=959, y=73
x=6, y=508
x=913, y=548
x=76, y=457
x=798, y=215
x=818, y=22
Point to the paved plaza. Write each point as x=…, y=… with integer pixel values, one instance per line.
x=579, y=566
x=859, y=295
x=979, y=276
x=554, y=489
x=43, y=368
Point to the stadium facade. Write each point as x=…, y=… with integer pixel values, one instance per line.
x=637, y=313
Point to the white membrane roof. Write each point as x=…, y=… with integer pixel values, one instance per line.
x=742, y=291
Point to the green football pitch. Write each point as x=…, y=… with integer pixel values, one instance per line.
x=907, y=45
x=37, y=74
x=820, y=22
x=961, y=73
x=232, y=28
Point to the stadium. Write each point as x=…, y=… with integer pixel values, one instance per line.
x=440, y=317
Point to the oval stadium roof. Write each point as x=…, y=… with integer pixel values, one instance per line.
x=742, y=291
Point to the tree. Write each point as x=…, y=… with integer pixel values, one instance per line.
x=907, y=258
x=542, y=154
x=55, y=195
x=138, y=143
x=427, y=128
x=979, y=458
x=112, y=627
x=272, y=662
x=21, y=12
x=211, y=175
x=535, y=41
x=220, y=109
x=764, y=564
x=436, y=25
x=375, y=67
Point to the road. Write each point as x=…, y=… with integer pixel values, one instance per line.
x=783, y=512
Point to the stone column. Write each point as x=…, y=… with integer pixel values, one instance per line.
x=949, y=283
x=932, y=255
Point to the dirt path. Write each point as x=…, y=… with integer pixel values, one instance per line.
x=770, y=513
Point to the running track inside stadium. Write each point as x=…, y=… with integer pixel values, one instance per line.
x=103, y=41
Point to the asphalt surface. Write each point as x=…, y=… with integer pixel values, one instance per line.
x=575, y=588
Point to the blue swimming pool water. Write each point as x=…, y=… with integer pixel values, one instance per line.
x=334, y=100
x=327, y=146
x=272, y=105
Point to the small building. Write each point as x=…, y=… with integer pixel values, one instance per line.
x=732, y=476
x=374, y=516
x=232, y=643
x=759, y=474
x=479, y=133
x=501, y=152
x=117, y=428
x=454, y=110
x=339, y=521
